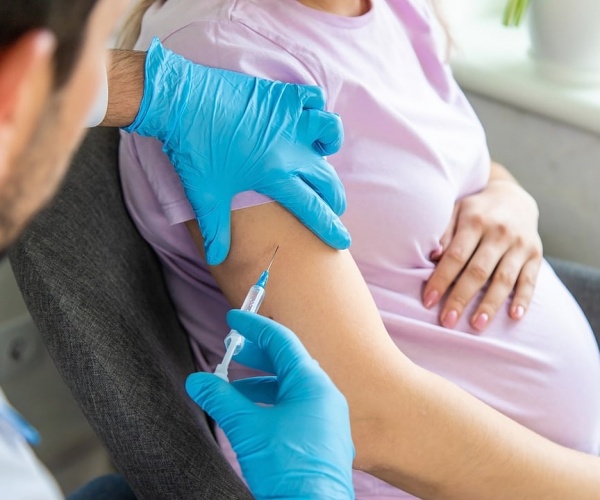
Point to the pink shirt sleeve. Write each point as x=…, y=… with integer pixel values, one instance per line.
x=227, y=45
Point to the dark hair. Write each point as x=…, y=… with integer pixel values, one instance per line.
x=66, y=19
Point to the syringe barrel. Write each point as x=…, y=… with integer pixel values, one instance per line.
x=254, y=299
x=252, y=302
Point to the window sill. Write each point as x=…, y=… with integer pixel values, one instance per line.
x=493, y=61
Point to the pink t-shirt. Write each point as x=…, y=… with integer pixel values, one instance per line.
x=413, y=148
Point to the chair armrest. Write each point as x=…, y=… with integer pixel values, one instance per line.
x=584, y=283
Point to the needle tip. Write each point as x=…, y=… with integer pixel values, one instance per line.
x=272, y=258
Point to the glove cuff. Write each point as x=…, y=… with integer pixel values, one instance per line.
x=154, y=58
x=166, y=75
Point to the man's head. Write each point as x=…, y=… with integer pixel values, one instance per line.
x=52, y=59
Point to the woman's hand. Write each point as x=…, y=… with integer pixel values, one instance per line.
x=492, y=237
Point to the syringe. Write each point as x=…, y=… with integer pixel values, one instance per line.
x=234, y=342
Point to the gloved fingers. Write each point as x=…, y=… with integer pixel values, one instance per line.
x=321, y=130
x=216, y=231
x=311, y=96
x=280, y=344
x=253, y=357
x=215, y=396
x=323, y=179
x=296, y=196
x=258, y=389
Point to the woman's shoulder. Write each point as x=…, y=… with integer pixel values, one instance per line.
x=163, y=19
x=238, y=35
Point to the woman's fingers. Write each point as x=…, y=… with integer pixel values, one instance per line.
x=447, y=236
x=473, y=278
x=515, y=272
x=491, y=243
x=525, y=286
x=452, y=263
x=502, y=285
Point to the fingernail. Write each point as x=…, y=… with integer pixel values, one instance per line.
x=481, y=321
x=431, y=298
x=435, y=254
x=519, y=312
x=450, y=319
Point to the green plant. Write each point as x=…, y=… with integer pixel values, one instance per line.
x=513, y=13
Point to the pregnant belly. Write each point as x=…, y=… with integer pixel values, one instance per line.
x=542, y=371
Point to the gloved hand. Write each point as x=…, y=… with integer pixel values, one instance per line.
x=300, y=447
x=227, y=132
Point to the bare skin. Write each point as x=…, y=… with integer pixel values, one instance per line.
x=410, y=427
x=492, y=238
x=125, y=87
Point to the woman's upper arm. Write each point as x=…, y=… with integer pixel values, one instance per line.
x=318, y=293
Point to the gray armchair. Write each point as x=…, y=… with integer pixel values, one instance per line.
x=584, y=283
x=96, y=292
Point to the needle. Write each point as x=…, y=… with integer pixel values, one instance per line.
x=272, y=259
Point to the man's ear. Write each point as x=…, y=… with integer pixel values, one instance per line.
x=26, y=74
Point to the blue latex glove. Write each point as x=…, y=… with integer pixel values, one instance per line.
x=227, y=132
x=298, y=447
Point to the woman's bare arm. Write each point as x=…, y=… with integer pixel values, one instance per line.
x=410, y=427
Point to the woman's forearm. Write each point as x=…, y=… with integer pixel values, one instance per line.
x=440, y=442
x=125, y=87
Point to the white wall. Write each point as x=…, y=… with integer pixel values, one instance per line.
x=560, y=166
